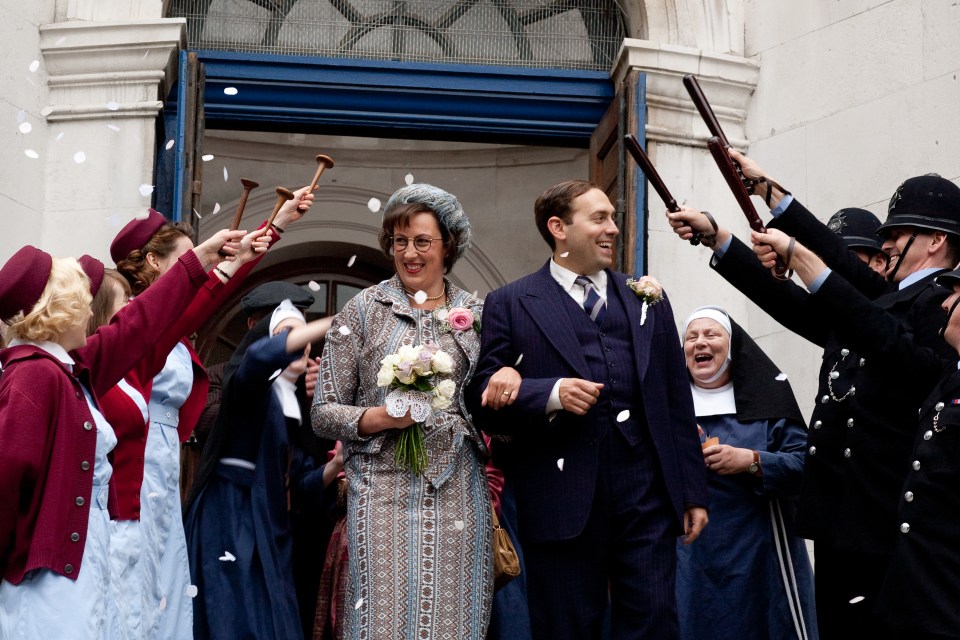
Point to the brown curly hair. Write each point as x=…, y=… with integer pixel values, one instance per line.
x=135, y=268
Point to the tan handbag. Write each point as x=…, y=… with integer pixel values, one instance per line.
x=506, y=563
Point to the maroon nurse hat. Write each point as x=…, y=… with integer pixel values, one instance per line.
x=135, y=234
x=22, y=280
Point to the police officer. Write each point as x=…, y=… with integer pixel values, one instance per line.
x=860, y=432
x=917, y=596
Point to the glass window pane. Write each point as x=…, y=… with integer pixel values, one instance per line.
x=344, y=293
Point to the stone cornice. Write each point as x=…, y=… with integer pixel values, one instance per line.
x=109, y=70
x=727, y=81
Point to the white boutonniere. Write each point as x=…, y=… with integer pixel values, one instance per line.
x=649, y=290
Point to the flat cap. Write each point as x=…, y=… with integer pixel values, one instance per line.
x=135, y=234
x=270, y=294
x=94, y=270
x=22, y=280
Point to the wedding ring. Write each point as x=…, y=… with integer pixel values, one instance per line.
x=506, y=393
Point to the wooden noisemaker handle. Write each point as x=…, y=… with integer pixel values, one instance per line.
x=323, y=162
x=248, y=186
x=282, y=196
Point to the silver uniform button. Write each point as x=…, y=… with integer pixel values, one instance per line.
x=908, y=496
x=938, y=407
x=834, y=375
x=905, y=527
x=85, y=465
x=80, y=501
x=825, y=399
x=68, y=568
x=850, y=422
x=863, y=361
x=813, y=451
x=75, y=537
x=853, y=391
x=927, y=435
x=818, y=424
x=916, y=465
x=844, y=352
x=88, y=425
x=846, y=452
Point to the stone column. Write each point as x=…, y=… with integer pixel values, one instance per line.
x=676, y=143
x=106, y=82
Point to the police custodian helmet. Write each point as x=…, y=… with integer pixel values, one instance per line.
x=925, y=202
x=857, y=227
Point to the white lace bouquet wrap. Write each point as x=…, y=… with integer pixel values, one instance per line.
x=414, y=375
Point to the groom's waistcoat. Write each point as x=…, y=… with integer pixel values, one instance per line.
x=608, y=349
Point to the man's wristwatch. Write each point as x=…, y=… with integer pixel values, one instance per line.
x=754, y=467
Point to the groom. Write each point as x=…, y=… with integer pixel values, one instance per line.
x=604, y=459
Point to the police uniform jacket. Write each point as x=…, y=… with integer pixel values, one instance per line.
x=918, y=593
x=861, y=430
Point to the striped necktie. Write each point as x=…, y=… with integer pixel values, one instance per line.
x=593, y=304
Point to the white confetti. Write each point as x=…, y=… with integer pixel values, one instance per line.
x=34, y=66
x=564, y=254
x=781, y=377
x=519, y=360
x=313, y=286
x=153, y=494
x=59, y=137
x=113, y=127
x=170, y=144
x=228, y=557
x=190, y=591
x=458, y=524
x=856, y=599
x=46, y=111
x=25, y=127
x=474, y=295
x=344, y=330
x=374, y=204
x=230, y=91
x=560, y=464
x=216, y=209
x=420, y=297
x=197, y=213
x=79, y=157
x=408, y=178
x=623, y=416
x=351, y=261
x=163, y=603
x=113, y=106
x=21, y=116
x=146, y=189
x=359, y=604
x=275, y=374
x=225, y=175
x=207, y=157
x=145, y=54
x=30, y=153
x=143, y=215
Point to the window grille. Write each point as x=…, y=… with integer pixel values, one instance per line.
x=564, y=34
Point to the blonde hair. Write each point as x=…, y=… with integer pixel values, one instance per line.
x=65, y=303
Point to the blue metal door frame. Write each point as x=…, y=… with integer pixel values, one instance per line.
x=517, y=105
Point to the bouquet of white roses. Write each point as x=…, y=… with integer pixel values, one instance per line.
x=413, y=373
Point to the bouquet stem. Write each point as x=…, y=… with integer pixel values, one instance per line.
x=411, y=452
